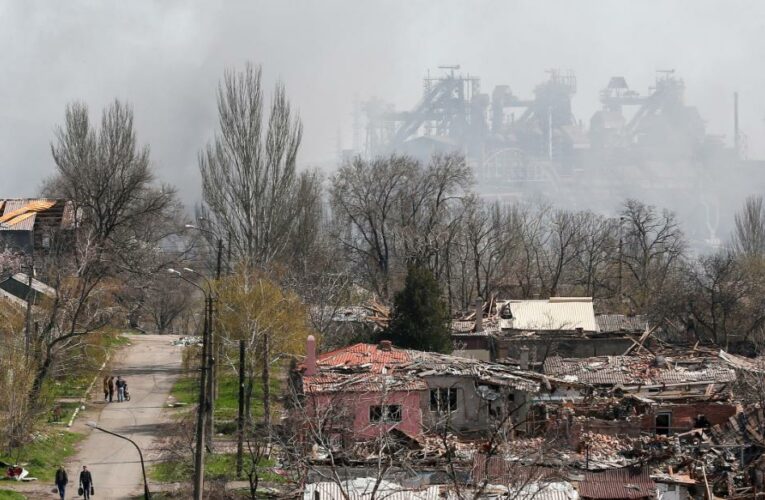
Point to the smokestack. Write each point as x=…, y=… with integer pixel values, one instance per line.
x=478, y=315
x=310, y=356
x=385, y=345
x=524, y=358
x=736, y=139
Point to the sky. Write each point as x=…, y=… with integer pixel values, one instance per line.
x=166, y=58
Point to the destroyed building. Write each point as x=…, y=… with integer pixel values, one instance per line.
x=659, y=394
x=565, y=326
x=35, y=225
x=375, y=388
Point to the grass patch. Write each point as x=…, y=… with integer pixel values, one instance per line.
x=62, y=412
x=186, y=390
x=42, y=456
x=216, y=467
x=11, y=495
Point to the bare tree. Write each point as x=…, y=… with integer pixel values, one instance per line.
x=250, y=184
x=749, y=234
x=653, y=249
x=598, y=248
x=107, y=176
x=394, y=210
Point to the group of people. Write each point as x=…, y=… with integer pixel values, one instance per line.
x=110, y=384
x=86, y=482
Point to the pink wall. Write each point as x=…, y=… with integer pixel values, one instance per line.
x=359, y=403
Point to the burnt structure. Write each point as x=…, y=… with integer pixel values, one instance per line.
x=651, y=146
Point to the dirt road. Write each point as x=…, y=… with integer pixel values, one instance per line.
x=150, y=366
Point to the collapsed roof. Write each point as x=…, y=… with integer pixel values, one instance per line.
x=639, y=370
x=367, y=367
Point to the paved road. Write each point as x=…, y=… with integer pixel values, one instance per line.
x=150, y=365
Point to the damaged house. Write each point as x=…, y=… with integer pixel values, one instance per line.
x=659, y=394
x=365, y=390
x=565, y=326
x=35, y=225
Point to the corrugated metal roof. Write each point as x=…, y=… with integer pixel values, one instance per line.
x=621, y=323
x=617, y=484
x=635, y=370
x=557, y=313
x=362, y=488
x=19, y=215
x=498, y=471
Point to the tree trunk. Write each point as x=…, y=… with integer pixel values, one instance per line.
x=40, y=376
x=248, y=398
x=266, y=375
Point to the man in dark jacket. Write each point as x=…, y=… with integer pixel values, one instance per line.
x=61, y=480
x=121, y=389
x=86, y=482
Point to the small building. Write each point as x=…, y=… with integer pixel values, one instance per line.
x=666, y=395
x=564, y=326
x=366, y=390
x=34, y=224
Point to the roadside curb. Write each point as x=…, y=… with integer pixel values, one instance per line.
x=88, y=390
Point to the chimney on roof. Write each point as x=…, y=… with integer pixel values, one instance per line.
x=478, y=315
x=310, y=356
x=385, y=345
x=523, y=358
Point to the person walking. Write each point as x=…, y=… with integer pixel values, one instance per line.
x=120, y=389
x=86, y=482
x=111, y=388
x=61, y=481
x=106, y=387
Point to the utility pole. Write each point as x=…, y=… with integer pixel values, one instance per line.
x=212, y=393
x=210, y=396
x=240, y=415
x=199, y=452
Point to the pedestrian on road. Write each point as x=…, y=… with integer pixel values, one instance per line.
x=86, y=482
x=111, y=388
x=61, y=480
x=106, y=387
x=120, y=389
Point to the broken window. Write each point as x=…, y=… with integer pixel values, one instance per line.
x=663, y=423
x=385, y=413
x=444, y=399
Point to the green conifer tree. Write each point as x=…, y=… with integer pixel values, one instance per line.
x=420, y=318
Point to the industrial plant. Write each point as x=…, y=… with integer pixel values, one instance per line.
x=650, y=145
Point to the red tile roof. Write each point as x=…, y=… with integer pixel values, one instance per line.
x=363, y=354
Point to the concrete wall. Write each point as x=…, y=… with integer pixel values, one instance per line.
x=479, y=354
x=472, y=411
x=540, y=348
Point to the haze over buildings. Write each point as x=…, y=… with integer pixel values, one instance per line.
x=167, y=58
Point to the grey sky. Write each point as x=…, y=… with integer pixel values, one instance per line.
x=167, y=57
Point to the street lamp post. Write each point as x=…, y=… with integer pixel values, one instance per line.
x=146, y=493
x=199, y=451
x=212, y=379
